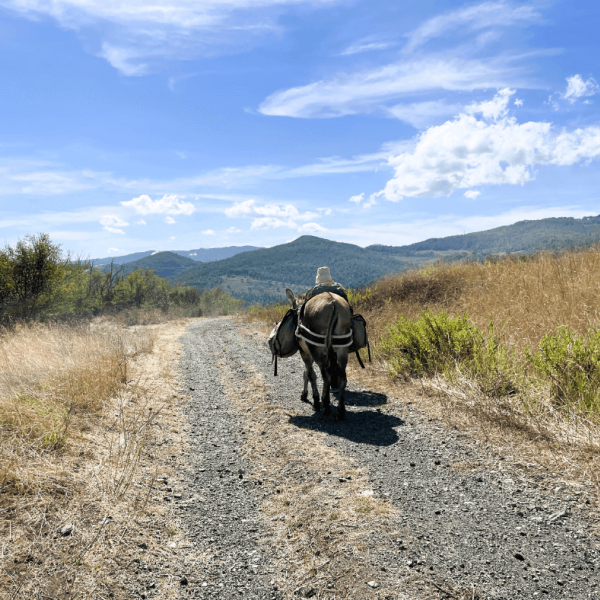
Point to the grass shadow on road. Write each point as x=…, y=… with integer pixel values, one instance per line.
x=365, y=427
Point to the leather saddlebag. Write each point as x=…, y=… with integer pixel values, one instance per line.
x=282, y=341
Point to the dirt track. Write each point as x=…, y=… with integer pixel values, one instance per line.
x=284, y=503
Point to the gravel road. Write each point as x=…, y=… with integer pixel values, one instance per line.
x=463, y=532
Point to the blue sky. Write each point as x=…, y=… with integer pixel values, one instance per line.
x=149, y=124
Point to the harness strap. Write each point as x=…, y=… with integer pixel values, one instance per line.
x=316, y=339
x=360, y=362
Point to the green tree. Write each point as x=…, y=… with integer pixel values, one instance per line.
x=28, y=275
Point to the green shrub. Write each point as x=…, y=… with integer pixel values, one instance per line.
x=429, y=344
x=493, y=367
x=572, y=364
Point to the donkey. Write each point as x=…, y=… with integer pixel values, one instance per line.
x=324, y=334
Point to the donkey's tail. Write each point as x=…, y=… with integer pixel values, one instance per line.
x=330, y=328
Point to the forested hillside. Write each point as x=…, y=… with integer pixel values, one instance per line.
x=524, y=236
x=164, y=264
x=262, y=275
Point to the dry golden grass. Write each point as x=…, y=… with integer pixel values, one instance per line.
x=80, y=411
x=527, y=297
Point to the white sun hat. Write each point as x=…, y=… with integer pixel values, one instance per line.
x=323, y=275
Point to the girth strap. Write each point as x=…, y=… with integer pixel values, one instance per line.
x=316, y=339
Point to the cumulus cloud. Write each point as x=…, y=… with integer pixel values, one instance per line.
x=140, y=222
x=472, y=194
x=169, y=220
x=208, y=232
x=270, y=216
x=233, y=230
x=369, y=90
x=578, y=88
x=113, y=250
x=168, y=204
x=358, y=198
x=112, y=224
x=467, y=152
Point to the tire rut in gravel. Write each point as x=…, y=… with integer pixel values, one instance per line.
x=448, y=530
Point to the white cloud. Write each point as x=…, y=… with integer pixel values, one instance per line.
x=272, y=223
x=169, y=220
x=421, y=114
x=208, y=232
x=113, y=250
x=279, y=212
x=477, y=17
x=311, y=228
x=358, y=199
x=113, y=220
x=492, y=109
x=364, y=46
x=578, y=88
x=112, y=223
x=467, y=152
x=140, y=222
x=371, y=201
x=472, y=194
x=233, y=230
x=518, y=102
x=168, y=204
x=369, y=90
x=137, y=36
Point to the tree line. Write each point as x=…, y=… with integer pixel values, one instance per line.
x=38, y=282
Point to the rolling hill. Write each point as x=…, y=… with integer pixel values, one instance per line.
x=524, y=236
x=263, y=275
x=210, y=254
x=165, y=264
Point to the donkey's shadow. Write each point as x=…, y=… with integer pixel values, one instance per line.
x=371, y=427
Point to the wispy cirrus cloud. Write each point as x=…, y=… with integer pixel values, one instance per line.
x=365, y=46
x=137, y=36
x=472, y=18
x=373, y=89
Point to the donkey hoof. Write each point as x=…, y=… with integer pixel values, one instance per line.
x=327, y=411
x=304, y=397
x=317, y=406
x=341, y=416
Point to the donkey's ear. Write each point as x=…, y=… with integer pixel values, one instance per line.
x=291, y=298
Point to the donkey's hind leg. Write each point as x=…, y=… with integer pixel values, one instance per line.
x=310, y=375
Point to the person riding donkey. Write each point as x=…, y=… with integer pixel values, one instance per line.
x=324, y=283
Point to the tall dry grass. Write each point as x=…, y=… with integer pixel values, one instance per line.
x=72, y=434
x=526, y=297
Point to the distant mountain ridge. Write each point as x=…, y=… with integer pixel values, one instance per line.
x=524, y=236
x=199, y=254
x=262, y=274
